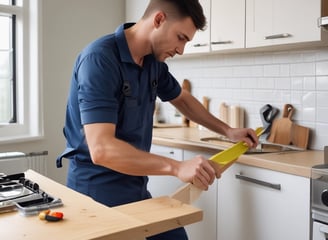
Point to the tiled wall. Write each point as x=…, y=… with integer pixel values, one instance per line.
x=252, y=80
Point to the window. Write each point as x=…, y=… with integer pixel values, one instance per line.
x=20, y=67
x=7, y=66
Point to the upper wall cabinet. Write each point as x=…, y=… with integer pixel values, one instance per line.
x=275, y=22
x=235, y=25
x=201, y=41
x=227, y=24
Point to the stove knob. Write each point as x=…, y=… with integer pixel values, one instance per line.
x=324, y=197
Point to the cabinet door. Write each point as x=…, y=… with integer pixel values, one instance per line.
x=256, y=211
x=165, y=185
x=201, y=40
x=205, y=229
x=273, y=22
x=227, y=24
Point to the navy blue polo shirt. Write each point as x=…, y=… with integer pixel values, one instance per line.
x=108, y=87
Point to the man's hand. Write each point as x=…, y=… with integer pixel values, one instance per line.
x=197, y=171
x=246, y=135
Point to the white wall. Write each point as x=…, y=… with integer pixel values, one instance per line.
x=68, y=25
x=254, y=79
x=135, y=9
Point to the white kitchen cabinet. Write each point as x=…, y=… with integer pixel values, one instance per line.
x=275, y=22
x=205, y=229
x=248, y=24
x=227, y=24
x=251, y=209
x=165, y=185
x=201, y=41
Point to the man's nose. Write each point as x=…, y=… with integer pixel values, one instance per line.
x=179, y=50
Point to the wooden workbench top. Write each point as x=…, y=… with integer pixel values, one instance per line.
x=292, y=162
x=86, y=219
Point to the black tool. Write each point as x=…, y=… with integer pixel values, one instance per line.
x=6, y=178
x=267, y=113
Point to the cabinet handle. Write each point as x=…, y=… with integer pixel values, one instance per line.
x=277, y=36
x=200, y=45
x=221, y=42
x=259, y=182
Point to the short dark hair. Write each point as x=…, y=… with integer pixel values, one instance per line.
x=181, y=8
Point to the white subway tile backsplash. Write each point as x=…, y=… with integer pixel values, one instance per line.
x=296, y=98
x=309, y=56
x=322, y=115
x=284, y=70
x=263, y=58
x=308, y=99
x=266, y=83
x=322, y=100
x=257, y=71
x=309, y=83
x=297, y=83
x=302, y=69
x=322, y=83
x=322, y=68
x=308, y=114
x=249, y=83
x=254, y=79
x=241, y=71
x=233, y=83
x=283, y=83
x=321, y=55
x=271, y=70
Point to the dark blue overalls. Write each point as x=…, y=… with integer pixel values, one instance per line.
x=107, y=86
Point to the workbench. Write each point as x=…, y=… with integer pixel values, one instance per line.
x=86, y=219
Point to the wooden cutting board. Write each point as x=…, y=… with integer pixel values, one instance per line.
x=187, y=87
x=285, y=131
x=224, y=112
x=282, y=128
x=300, y=136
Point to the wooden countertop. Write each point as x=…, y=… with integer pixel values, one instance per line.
x=292, y=162
x=86, y=219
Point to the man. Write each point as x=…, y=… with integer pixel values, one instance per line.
x=115, y=82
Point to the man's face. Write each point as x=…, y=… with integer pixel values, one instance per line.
x=171, y=37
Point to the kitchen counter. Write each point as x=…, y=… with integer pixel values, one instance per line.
x=292, y=162
x=86, y=219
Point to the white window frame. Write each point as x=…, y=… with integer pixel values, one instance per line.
x=29, y=125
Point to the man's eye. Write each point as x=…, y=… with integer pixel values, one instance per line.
x=181, y=38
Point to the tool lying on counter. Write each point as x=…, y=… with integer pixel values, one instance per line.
x=189, y=192
x=19, y=193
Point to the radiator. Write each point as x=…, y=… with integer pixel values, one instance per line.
x=16, y=162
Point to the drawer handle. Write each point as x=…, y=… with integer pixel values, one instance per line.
x=221, y=42
x=259, y=182
x=277, y=36
x=200, y=45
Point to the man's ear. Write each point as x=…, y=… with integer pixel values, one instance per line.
x=159, y=19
